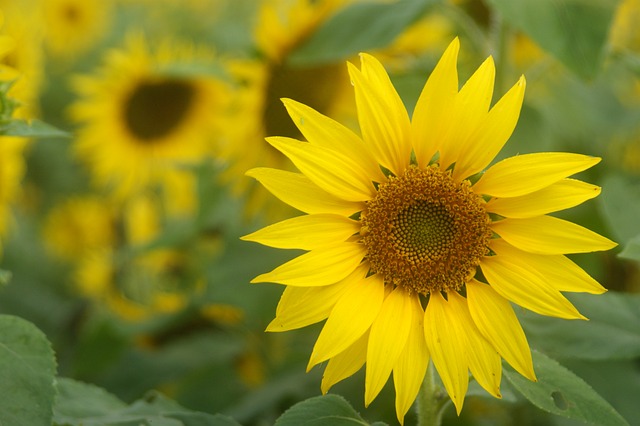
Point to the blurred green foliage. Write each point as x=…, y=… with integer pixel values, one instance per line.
x=209, y=361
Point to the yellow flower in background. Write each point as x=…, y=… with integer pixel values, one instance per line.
x=12, y=168
x=624, y=33
x=23, y=64
x=78, y=225
x=414, y=252
x=281, y=27
x=143, y=116
x=73, y=26
x=429, y=33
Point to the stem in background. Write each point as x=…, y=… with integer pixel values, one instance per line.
x=430, y=400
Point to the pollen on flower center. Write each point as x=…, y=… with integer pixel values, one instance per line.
x=155, y=109
x=425, y=231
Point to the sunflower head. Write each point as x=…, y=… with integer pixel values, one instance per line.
x=414, y=251
x=142, y=116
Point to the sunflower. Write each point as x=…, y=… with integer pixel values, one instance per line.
x=143, y=116
x=73, y=26
x=281, y=28
x=413, y=253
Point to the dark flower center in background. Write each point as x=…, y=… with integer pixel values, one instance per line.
x=155, y=109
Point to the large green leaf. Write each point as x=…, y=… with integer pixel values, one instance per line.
x=561, y=392
x=328, y=410
x=27, y=373
x=360, y=27
x=612, y=332
x=80, y=404
x=631, y=250
x=621, y=210
x=574, y=31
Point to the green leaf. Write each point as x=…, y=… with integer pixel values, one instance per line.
x=620, y=209
x=27, y=372
x=631, y=250
x=360, y=27
x=612, y=332
x=31, y=129
x=561, y=392
x=76, y=402
x=573, y=31
x=86, y=405
x=327, y=410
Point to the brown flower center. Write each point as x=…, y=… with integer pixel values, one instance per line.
x=425, y=232
x=156, y=108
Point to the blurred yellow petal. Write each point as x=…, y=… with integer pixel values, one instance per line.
x=383, y=119
x=343, y=327
x=558, y=196
x=307, y=232
x=523, y=174
x=471, y=108
x=527, y=287
x=550, y=235
x=447, y=343
x=494, y=317
x=321, y=130
x=332, y=171
x=492, y=133
x=484, y=361
x=345, y=364
x=409, y=371
x=318, y=267
x=559, y=271
x=297, y=190
x=387, y=340
x=432, y=115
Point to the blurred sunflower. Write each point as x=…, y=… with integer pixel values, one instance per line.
x=281, y=28
x=413, y=253
x=73, y=26
x=12, y=165
x=146, y=113
x=23, y=64
x=78, y=225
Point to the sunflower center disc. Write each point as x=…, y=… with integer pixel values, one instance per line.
x=425, y=232
x=155, y=109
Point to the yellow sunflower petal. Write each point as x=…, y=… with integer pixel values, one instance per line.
x=494, y=317
x=492, y=133
x=447, y=343
x=345, y=364
x=387, y=339
x=550, y=235
x=383, y=119
x=559, y=271
x=306, y=232
x=484, y=361
x=558, y=196
x=471, y=107
x=302, y=306
x=296, y=190
x=318, y=267
x=523, y=174
x=432, y=115
x=332, y=171
x=409, y=371
x=527, y=287
x=343, y=328
x=323, y=131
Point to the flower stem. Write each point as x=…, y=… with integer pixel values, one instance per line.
x=430, y=400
